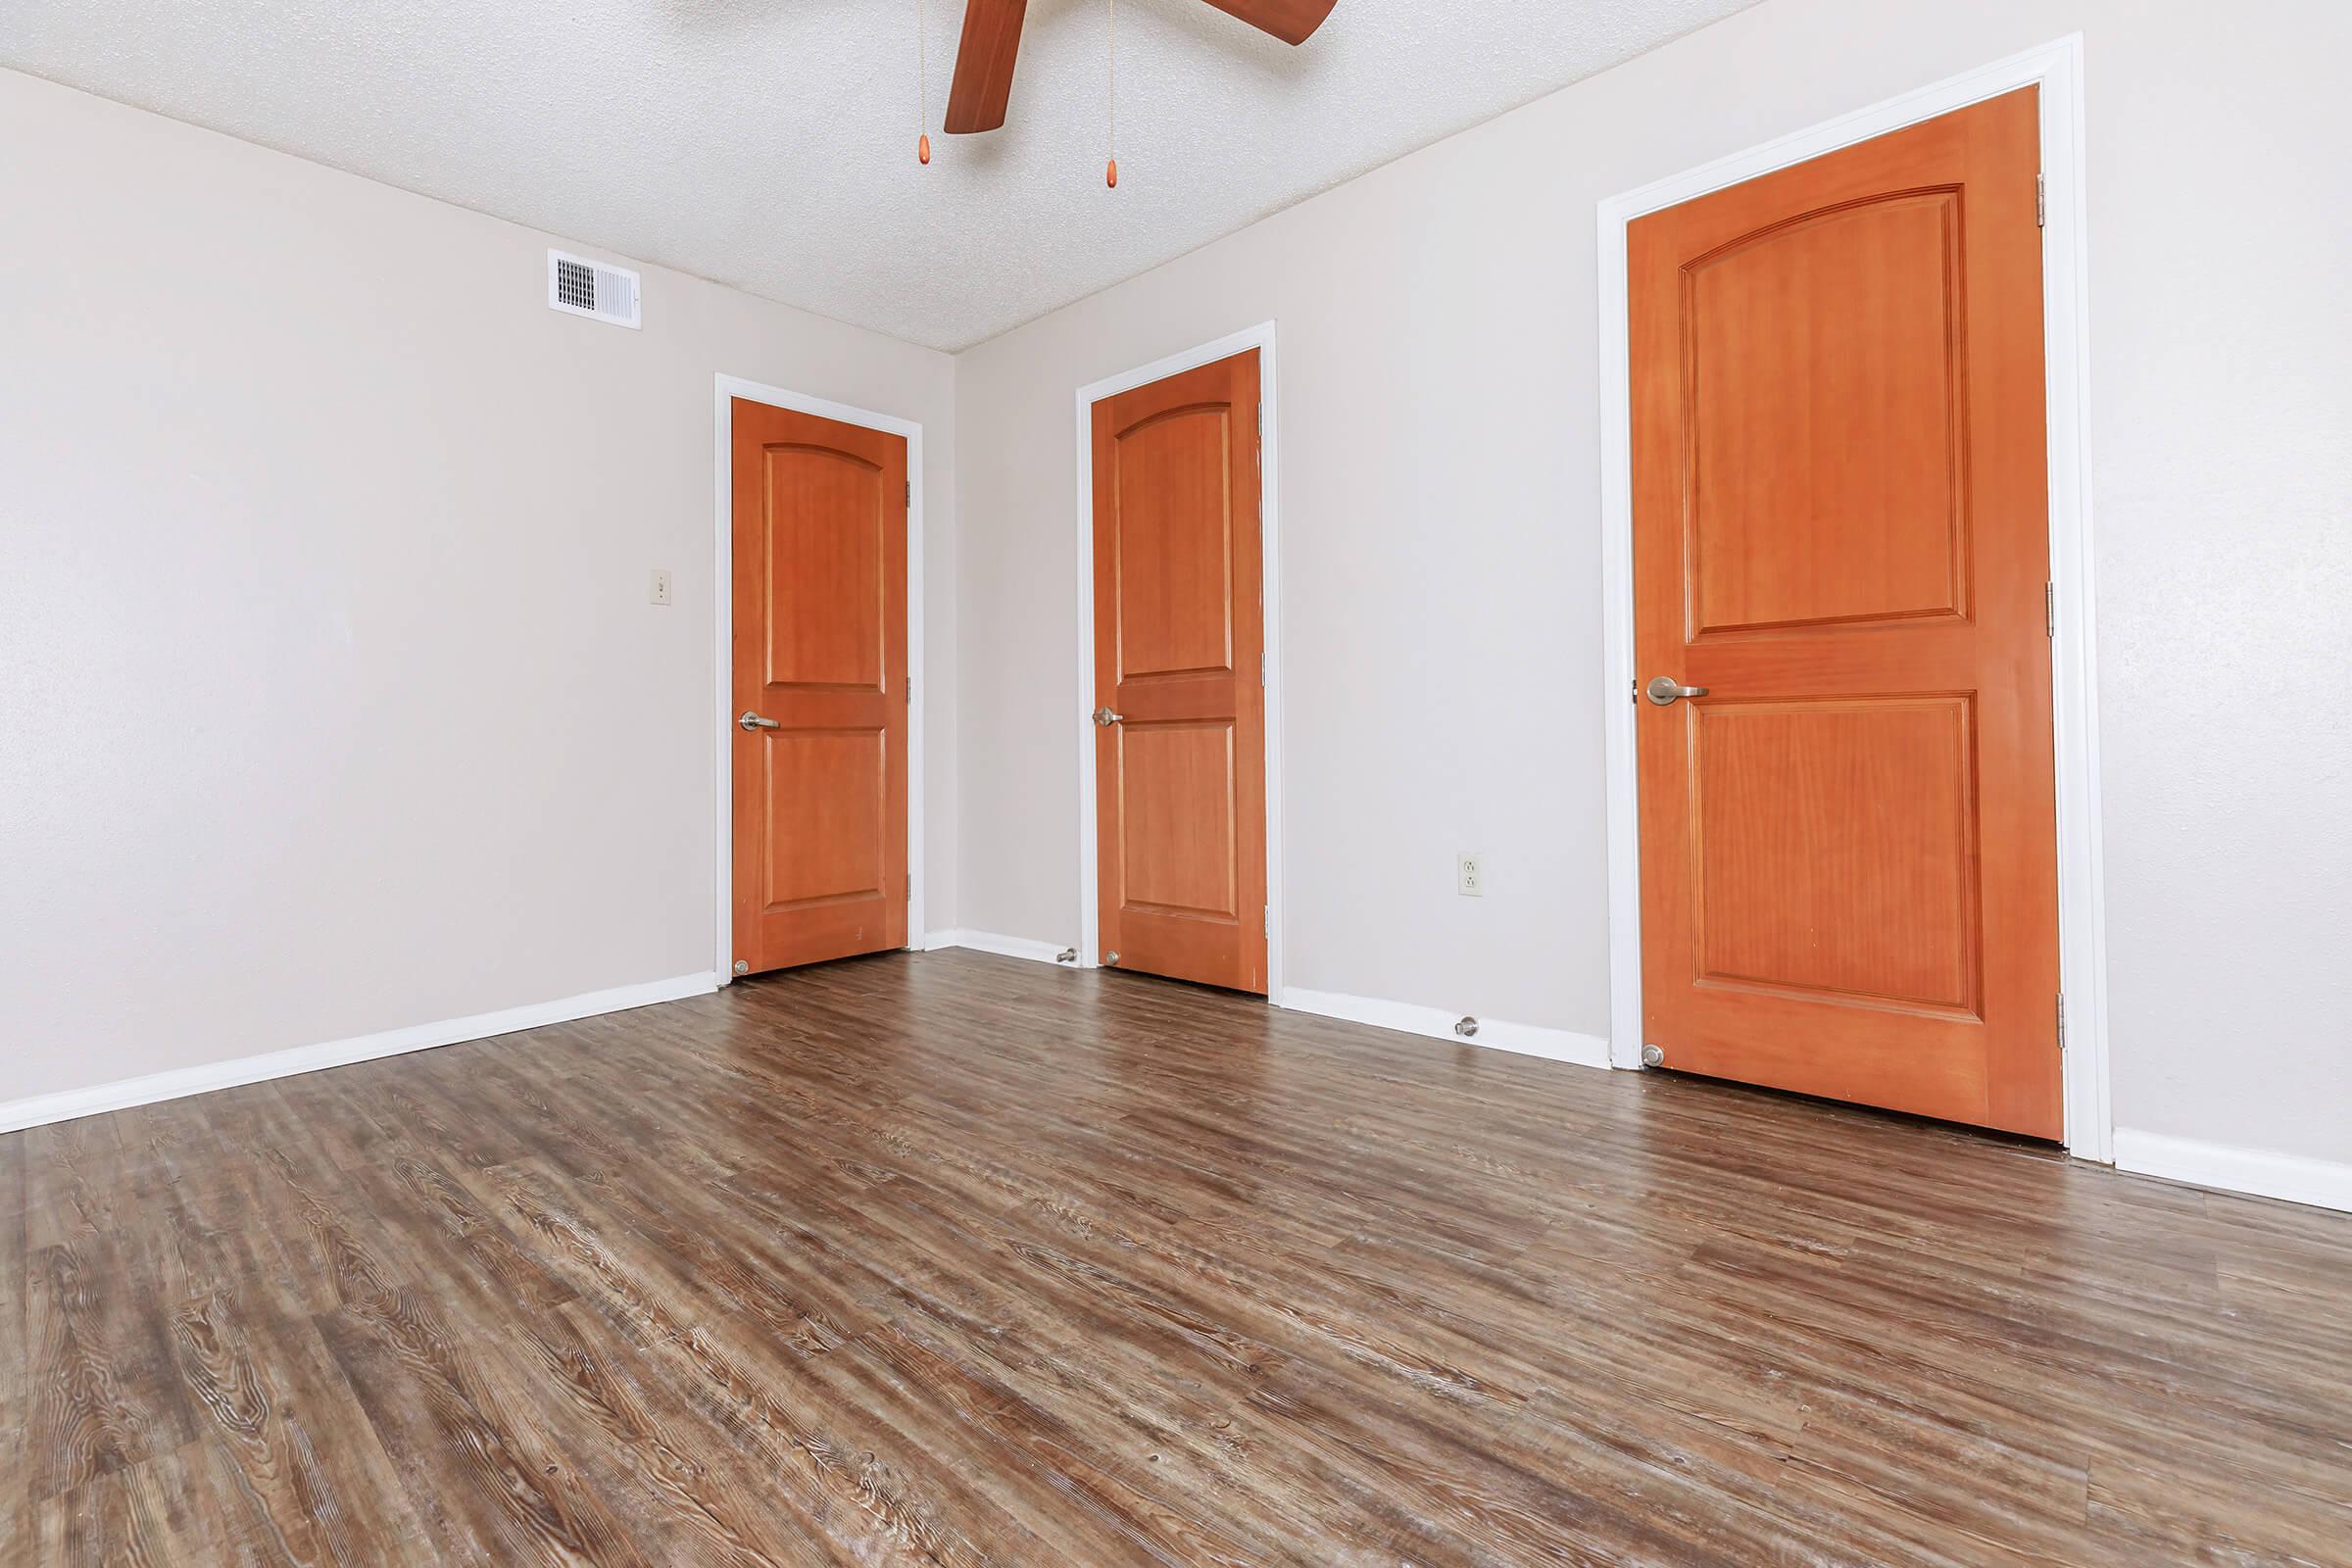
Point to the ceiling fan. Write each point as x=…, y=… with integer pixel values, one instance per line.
x=992, y=38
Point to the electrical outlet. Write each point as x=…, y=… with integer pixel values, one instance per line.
x=660, y=589
x=1469, y=876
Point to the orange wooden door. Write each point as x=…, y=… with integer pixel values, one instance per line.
x=1180, y=661
x=1840, y=530
x=820, y=670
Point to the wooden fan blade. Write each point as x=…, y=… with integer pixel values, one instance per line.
x=992, y=38
x=1294, y=21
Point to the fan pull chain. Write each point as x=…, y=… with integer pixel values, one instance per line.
x=1111, y=51
x=922, y=78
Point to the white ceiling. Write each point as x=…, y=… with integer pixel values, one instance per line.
x=770, y=143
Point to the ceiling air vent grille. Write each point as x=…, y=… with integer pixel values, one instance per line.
x=581, y=287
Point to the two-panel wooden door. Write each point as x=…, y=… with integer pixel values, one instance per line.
x=1180, y=725
x=819, y=689
x=1847, y=828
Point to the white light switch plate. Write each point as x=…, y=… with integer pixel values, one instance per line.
x=1469, y=876
x=660, y=589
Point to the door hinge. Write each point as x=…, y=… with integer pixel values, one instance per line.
x=909, y=684
x=2049, y=608
x=2062, y=1022
x=1266, y=917
x=2042, y=201
x=911, y=492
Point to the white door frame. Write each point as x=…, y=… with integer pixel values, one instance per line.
x=1261, y=338
x=730, y=388
x=2057, y=69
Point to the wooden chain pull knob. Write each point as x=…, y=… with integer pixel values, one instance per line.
x=923, y=148
x=1110, y=175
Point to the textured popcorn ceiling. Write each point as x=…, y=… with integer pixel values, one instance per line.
x=770, y=143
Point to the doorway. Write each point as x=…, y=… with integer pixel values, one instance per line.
x=818, y=640
x=1842, y=618
x=1179, y=778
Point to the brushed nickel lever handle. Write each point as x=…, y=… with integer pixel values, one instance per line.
x=751, y=721
x=1664, y=690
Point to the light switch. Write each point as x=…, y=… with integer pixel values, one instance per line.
x=660, y=589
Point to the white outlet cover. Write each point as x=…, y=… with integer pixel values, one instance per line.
x=1470, y=876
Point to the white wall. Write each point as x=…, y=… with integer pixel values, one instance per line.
x=330, y=698
x=1440, y=473
x=330, y=701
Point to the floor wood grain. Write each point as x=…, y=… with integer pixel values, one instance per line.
x=956, y=1260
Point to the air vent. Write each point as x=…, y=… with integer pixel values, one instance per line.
x=581, y=287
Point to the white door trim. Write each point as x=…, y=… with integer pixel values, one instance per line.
x=2057, y=69
x=728, y=388
x=1261, y=338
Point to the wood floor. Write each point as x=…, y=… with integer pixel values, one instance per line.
x=961, y=1259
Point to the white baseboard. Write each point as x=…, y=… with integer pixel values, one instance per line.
x=2321, y=1183
x=1526, y=1038
x=69, y=1104
x=987, y=941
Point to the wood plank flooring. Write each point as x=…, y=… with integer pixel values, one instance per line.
x=958, y=1260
